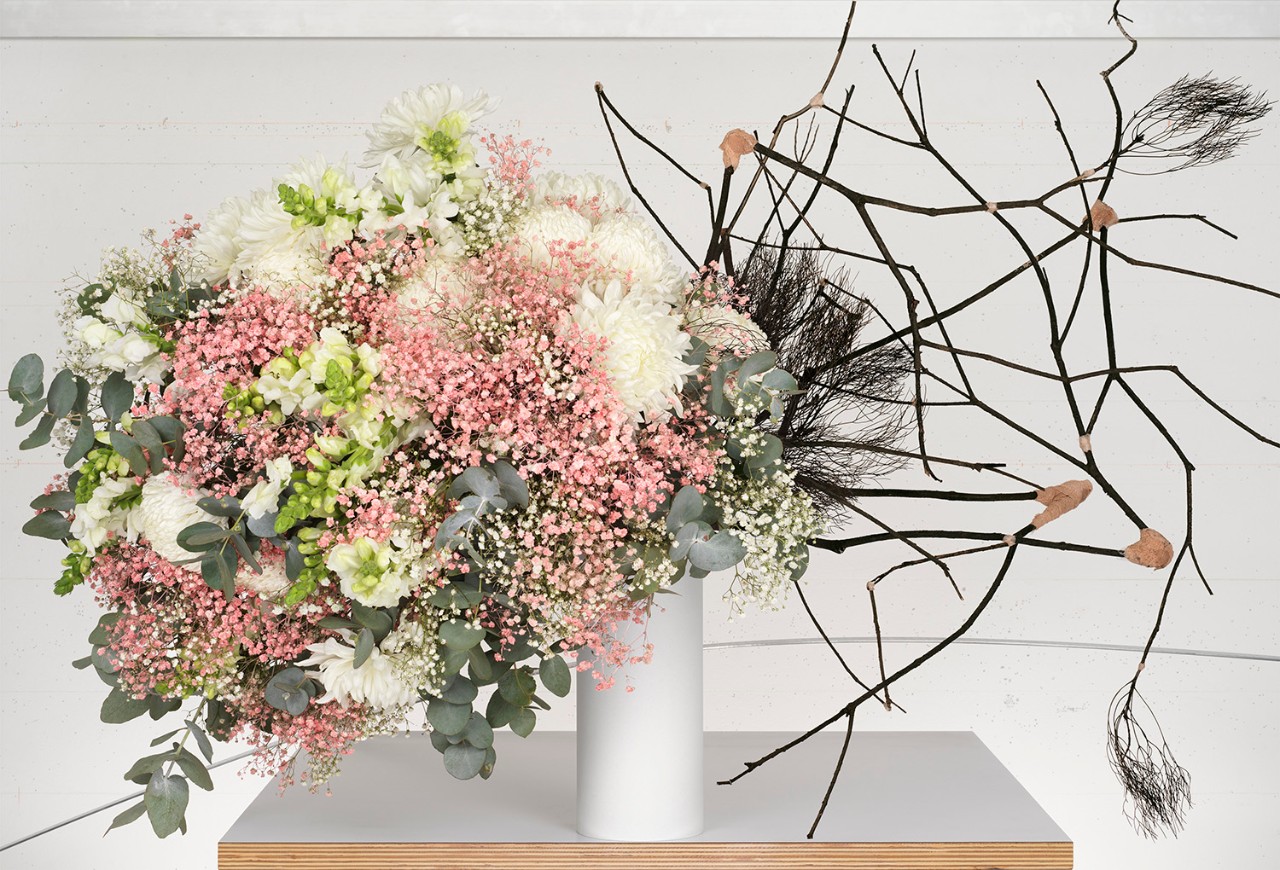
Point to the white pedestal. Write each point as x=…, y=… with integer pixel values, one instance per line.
x=640, y=766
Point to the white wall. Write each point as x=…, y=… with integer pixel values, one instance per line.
x=102, y=138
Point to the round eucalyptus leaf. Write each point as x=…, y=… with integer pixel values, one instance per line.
x=458, y=635
x=166, y=799
x=463, y=761
x=448, y=719
x=723, y=550
x=554, y=673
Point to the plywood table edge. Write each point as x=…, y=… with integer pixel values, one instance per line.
x=654, y=856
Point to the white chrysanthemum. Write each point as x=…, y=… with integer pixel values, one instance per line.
x=218, y=243
x=437, y=286
x=270, y=584
x=629, y=246
x=166, y=509
x=96, y=518
x=273, y=252
x=376, y=683
x=644, y=357
x=592, y=196
x=554, y=223
x=280, y=249
x=429, y=119
x=726, y=329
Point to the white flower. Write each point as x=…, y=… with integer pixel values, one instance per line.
x=289, y=387
x=273, y=252
x=376, y=575
x=435, y=120
x=166, y=509
x=269, y=584
x=434, y=288
x=218, y=243
x=630, y=247
x=282, y=249
x=375, y=683
x=96, y=518
x=726, y=329
x=264, y=497
x=95, y=333
x=592, y=196
x=644, y=356
x=554, y=223
x=123, y=312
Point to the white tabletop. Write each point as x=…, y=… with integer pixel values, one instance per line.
x=897, y=787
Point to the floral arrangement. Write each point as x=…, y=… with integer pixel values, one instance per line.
x=345, y=448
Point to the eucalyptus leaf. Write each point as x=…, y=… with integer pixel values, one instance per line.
x=722, y=551
x=448, y=719
x=194, y=769
x=119, y=707
x=128, y=817
x=128, y=447
x=689, y=534
x=285, y=691
x=686, y=506
x=202, y=740
x=29, y=413
x=364, y=647
x=481, y=668
x=166, y=799
x=50, y=524
x=460, y=691
x=144, y=768
x=117, y=396
x=458, y=635
x=40, y=435
x=455, y=660
x=62, y=394
x=490, y=759
x=218, y=568
x=517, y=687
x=478, y=480
x=263, y=526
x=440, y=741
x=81, y=444
x=377, y=621
x=168, y=735
x=26, y=381
x=512, y=484
x=157, y=707
x=463, y=761
x=59, y=500
x=479, y=732
x=499, y=712
x=225, y=506
x=756, y=364
x=524, y=720
x=200, y=537
x=459, y=595
x=780, y=380
x=554, y=673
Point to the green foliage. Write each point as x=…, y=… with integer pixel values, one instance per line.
x=26, y=381
x=166, y=801
x=555, y=675
x=290, y=690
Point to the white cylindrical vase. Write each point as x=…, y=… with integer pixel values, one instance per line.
x=640, y=774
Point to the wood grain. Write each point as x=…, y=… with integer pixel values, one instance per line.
x=644, y=856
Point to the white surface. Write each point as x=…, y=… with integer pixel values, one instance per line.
x=99, y=139
x=916, y=787
x=594, y=19
x=658, y=705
